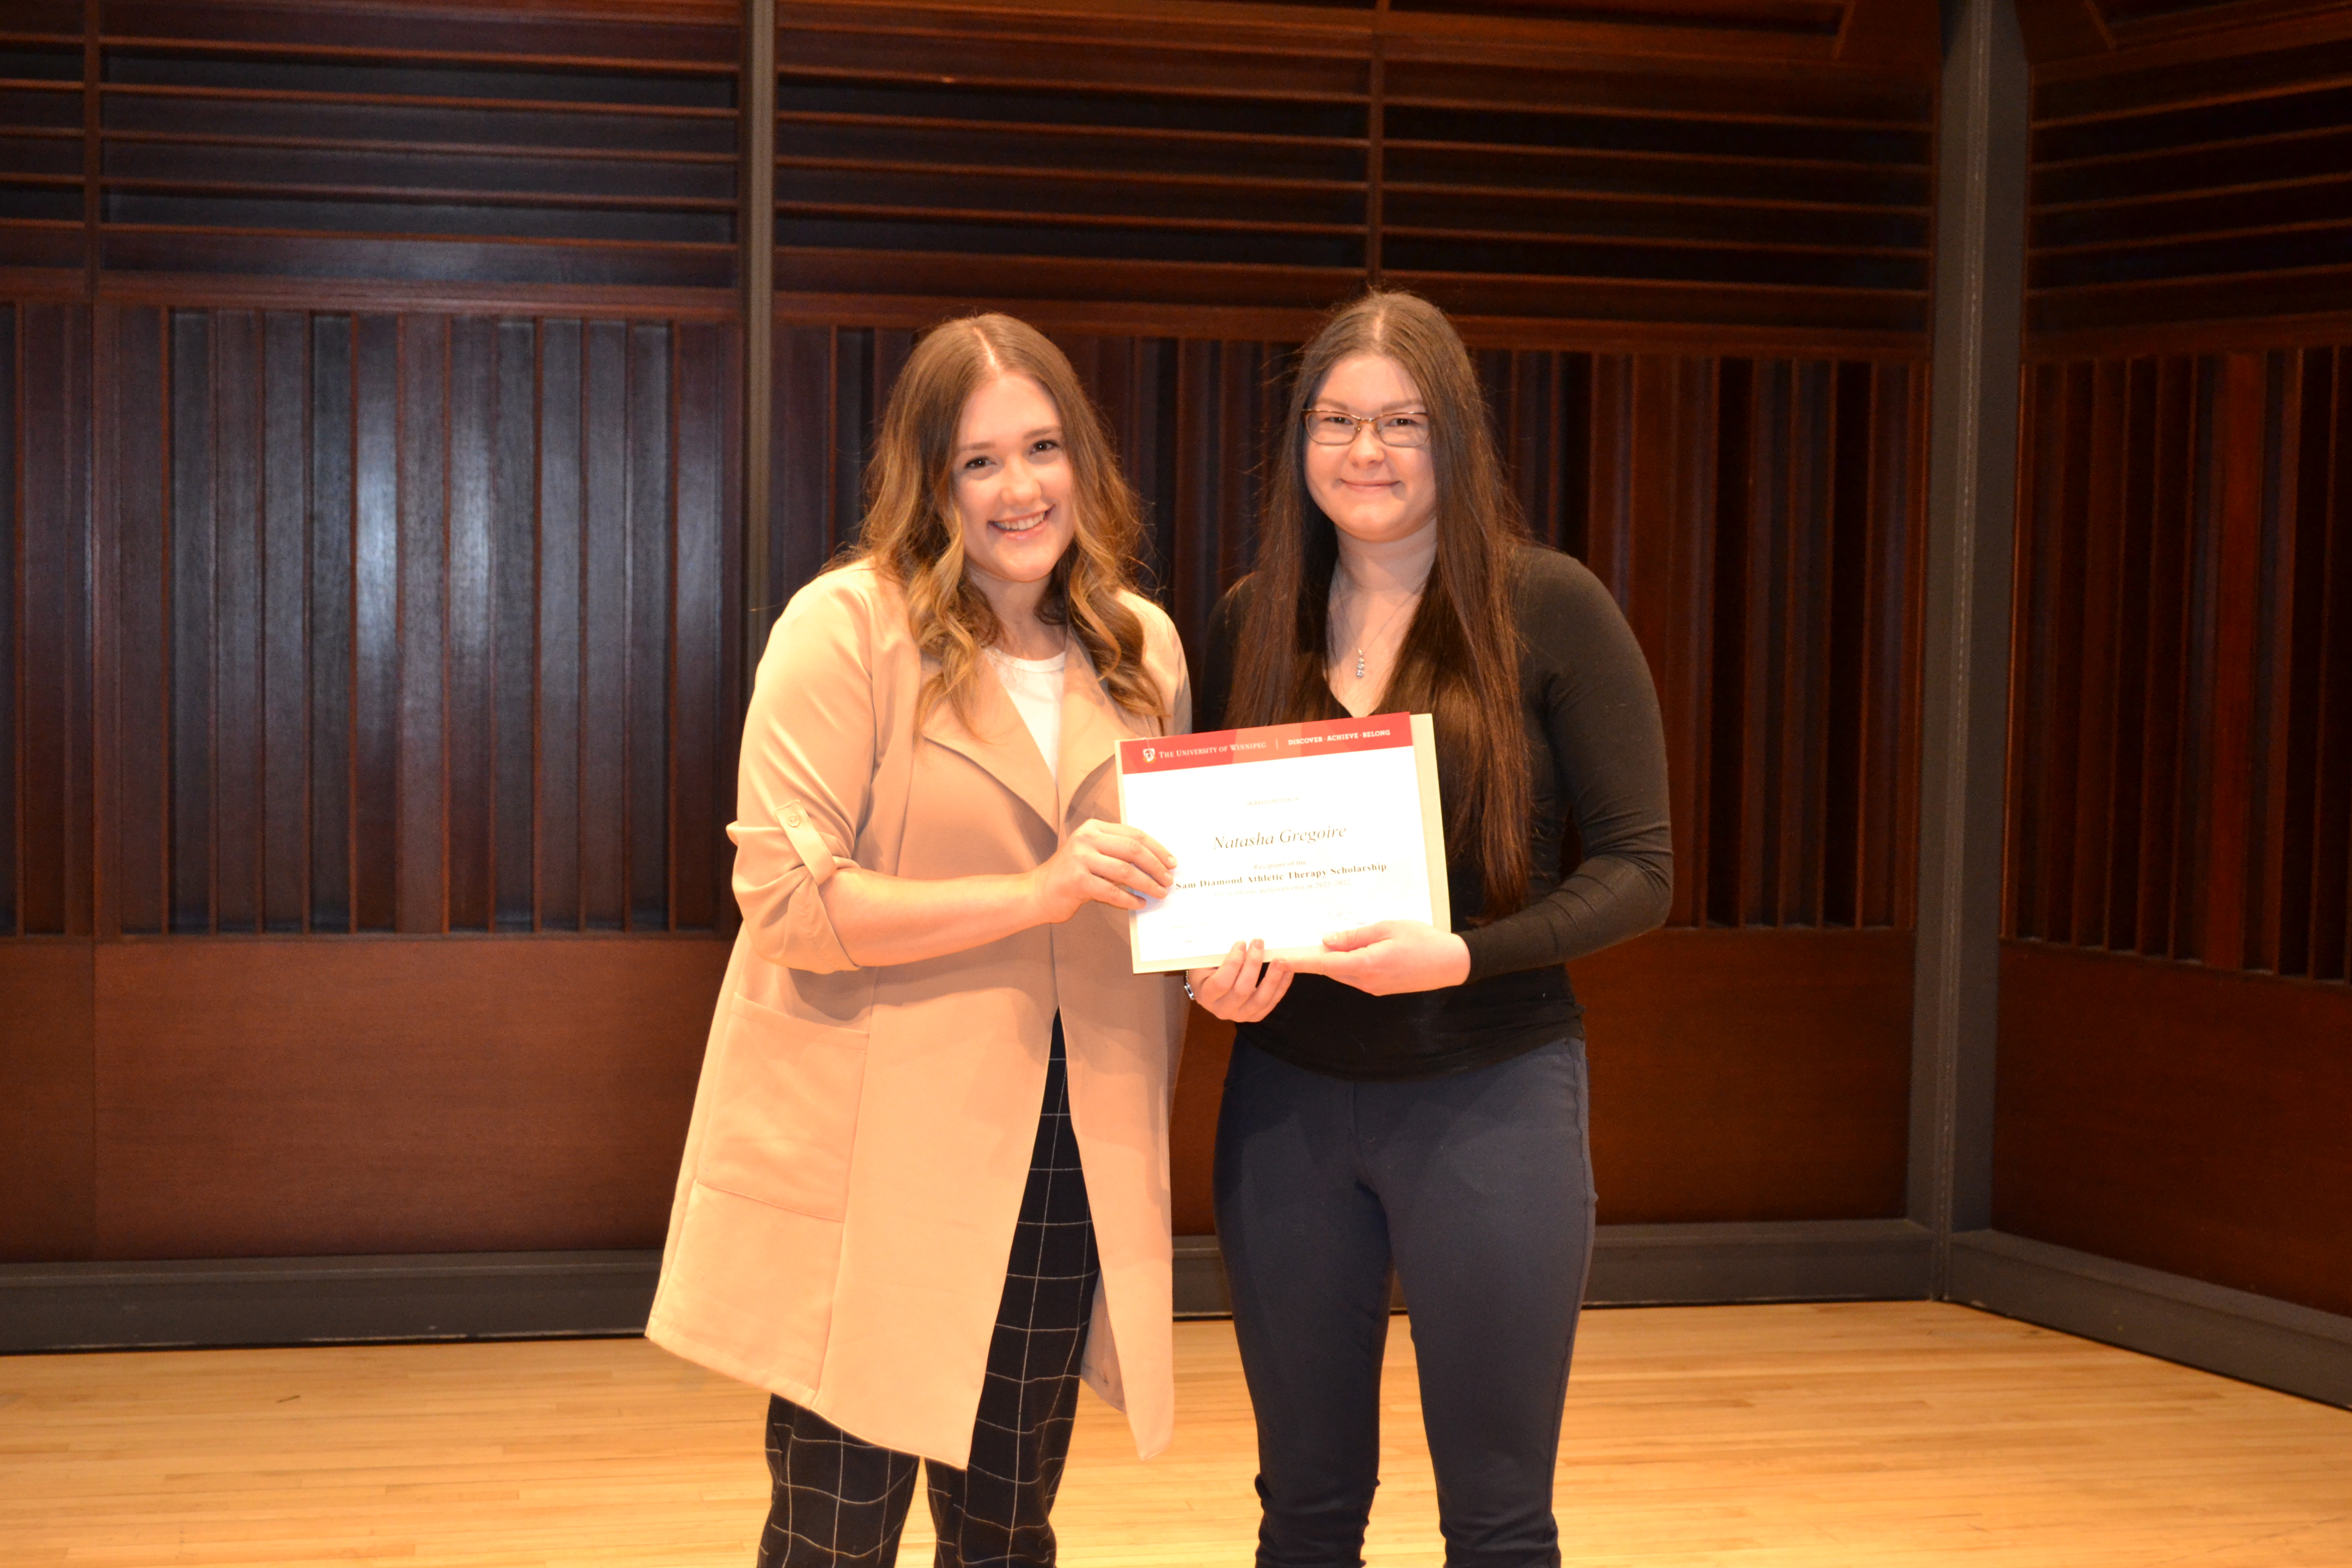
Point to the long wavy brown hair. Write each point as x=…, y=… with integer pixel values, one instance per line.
x=912, y=537
x=1460, y=658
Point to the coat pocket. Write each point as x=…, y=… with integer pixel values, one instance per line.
x=784, y=1123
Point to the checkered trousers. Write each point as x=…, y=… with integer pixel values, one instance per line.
x=840, y=1502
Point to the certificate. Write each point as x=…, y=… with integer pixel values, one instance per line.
x=1286, y=833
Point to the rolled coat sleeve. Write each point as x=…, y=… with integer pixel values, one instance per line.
x=806, y=780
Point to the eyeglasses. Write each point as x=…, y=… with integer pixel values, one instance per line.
x=1330, y=428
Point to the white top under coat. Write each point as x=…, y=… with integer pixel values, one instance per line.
x=1035, y=687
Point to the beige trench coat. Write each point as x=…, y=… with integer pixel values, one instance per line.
x=861, y=1136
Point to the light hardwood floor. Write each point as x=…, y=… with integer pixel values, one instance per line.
x=1821, y=1435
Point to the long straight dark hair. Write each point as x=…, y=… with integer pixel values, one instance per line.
x=1460, y=658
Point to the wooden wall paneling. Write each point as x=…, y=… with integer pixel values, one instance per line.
x=318, y=142
x=289, y=1097
x=285, y=641
x=1888, y=807
x=558, y=799
x=514, y=523
x=420, y=883
x=2178, y=1117
x=651, y=592
x=703, y=724
x=190, y=547
x=2183, y=178
x=11, y=585
x=917, y=154
x=375, y=645
x=332, y=558
x=469, y=673
x=1749, y=1075
x=1527, y=183
x=2234, y=555
x=393, y=592
x=52, y=558
x=2175, y=786
x=42, y=181
x=239, y=627
x=605, y=640
x=47, y=1150
x=2327, y=503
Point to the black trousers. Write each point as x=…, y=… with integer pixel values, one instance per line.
x=1477, y=1190
x=841, y=1503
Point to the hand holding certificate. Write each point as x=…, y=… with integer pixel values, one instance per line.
x=1288, y=832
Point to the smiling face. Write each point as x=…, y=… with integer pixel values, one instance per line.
x=1373, y=494
x=1015, y=497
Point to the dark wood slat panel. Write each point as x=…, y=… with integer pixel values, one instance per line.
x=193, y=640
x=2212, y=71
x=333, y=645
x=706, y=546
x=237, y=622
x=665, y=31
x=650, y=590
x=54, y=676
x=286, y=633
x=421, y=888
x=366, y=256
x=2327, y=449
x=216, y=159
x=2178, y=1118
x=2188, y=183
x=138, y=626
x=376, y=563
x=470, y=673
x=2176, y=790
x=451, y=128
x=562, y=428
x=2236, y=597
x=12, y=580
x=273, y=1098
x=604, y=600
x=47, y=1148
x=514, y=523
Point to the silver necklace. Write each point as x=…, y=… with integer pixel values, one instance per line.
x=1384, y=626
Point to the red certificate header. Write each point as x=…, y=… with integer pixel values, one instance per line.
x=1266, y=744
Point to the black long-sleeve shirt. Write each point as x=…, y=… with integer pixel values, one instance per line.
x=1597, y=756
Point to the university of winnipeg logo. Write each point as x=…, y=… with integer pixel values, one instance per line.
x=1147, y=753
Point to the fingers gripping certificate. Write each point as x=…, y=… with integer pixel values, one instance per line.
x=1286, y=833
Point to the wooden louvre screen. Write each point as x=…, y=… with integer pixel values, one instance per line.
x=41, y=114
x=1670, y=191
x=2191, y=184
x=260, y=140
x=933, y=154
x=2182, y=735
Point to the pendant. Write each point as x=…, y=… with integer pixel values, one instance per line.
x=1359, y=664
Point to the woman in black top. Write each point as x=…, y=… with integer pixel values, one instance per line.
x=1413, y=1099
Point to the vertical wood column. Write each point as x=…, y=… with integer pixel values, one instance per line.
x=757, y=118
x=1971, y=524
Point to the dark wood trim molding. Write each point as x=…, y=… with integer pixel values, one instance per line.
x=2256, y=1338
x=1971, y=522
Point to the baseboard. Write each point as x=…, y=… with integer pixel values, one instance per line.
x=1781, y=1260
x=2254, y=1338
x=1690, y=1265
x=545, y=1295
x=322, y=1301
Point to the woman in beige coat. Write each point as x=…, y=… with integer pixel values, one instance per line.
x=925, y=1186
